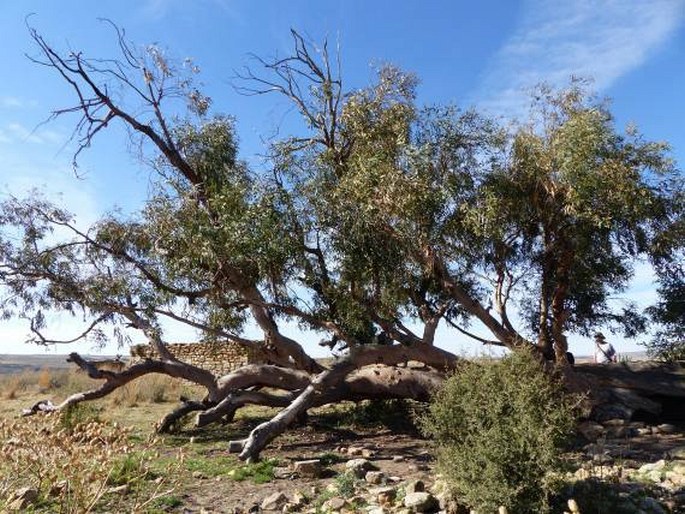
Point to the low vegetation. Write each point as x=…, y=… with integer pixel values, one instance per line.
x=73, y=464
x=499, y=431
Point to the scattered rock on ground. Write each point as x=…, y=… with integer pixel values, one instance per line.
x=590, y=430
x=22, y=498
x=274, y=501
x=308, y=468
x=335, y=503
x=374, y=477
x=359, y=467
x=415, y=486
x=421, y=502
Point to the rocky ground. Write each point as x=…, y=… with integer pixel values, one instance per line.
x=616, y=467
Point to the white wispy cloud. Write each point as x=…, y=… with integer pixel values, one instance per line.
x=15, y=102
x=9, y=102
x=156, y=9
x=599, y=39
x=18, y=133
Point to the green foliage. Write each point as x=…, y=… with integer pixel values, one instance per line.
x=211, y=465
x=666, y=349
x=345, y=484
x=167, y=503
x=127, y=469
x=382, y=214
x=394, y=413
x=79, y=414
x=259, y=472
x=499, y=428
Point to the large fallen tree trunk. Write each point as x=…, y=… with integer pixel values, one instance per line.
x=369, y=372
x=621, y=390
x=635, y=389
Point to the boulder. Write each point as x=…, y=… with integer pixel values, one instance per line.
x=308, y=468
x=335, y=503
x=359, y=467
x=374, y=477
x=385, y=495
x=590, y=430
x=421, y=502
x=274, y=501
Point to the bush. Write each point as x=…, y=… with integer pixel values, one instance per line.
x=499, y=428
x=667, y=349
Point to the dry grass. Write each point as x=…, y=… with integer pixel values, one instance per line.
x=152, y=388
x=75, y=463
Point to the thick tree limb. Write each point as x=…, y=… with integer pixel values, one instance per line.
x=186, y=408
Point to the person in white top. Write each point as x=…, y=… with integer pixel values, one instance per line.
x=604, y=351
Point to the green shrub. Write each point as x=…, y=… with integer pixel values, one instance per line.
x=78, y=414
x=499, y=428
x=667, y=349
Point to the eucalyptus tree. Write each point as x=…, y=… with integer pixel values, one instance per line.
x=376, y=224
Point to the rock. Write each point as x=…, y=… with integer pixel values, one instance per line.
x=359, y=467
x=385, y=495
x=676, y=478
x=643, y=431
x=582, y=474
x=355, y=450
x=368, y=454
x=377, y=510
x=22, y=498
x=199, y=475
x=274, y=501
x=420, y=502
x=655, y=476
x=651, y=505
x=573, y=506
x=677, y=453
x=282, y=472
x=667, y=428
x=617, y=422
x=308, y=468
x=335, y=503
x=235, y=446
x=607, y=411
x=618, y=432
x=298, y=498
x=374, y=477
x=653, y=466
x=590, y=430
x=415, y=486
x=398, y=458
x=296, y=503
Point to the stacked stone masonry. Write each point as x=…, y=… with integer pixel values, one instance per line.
x=218, y=357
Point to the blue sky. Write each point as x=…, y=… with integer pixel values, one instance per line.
x=485, y=53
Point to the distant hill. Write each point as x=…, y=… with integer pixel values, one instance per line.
x=11, y=364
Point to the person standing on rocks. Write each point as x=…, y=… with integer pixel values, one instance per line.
x=604, y=350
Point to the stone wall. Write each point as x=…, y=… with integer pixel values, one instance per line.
x=218, y=357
